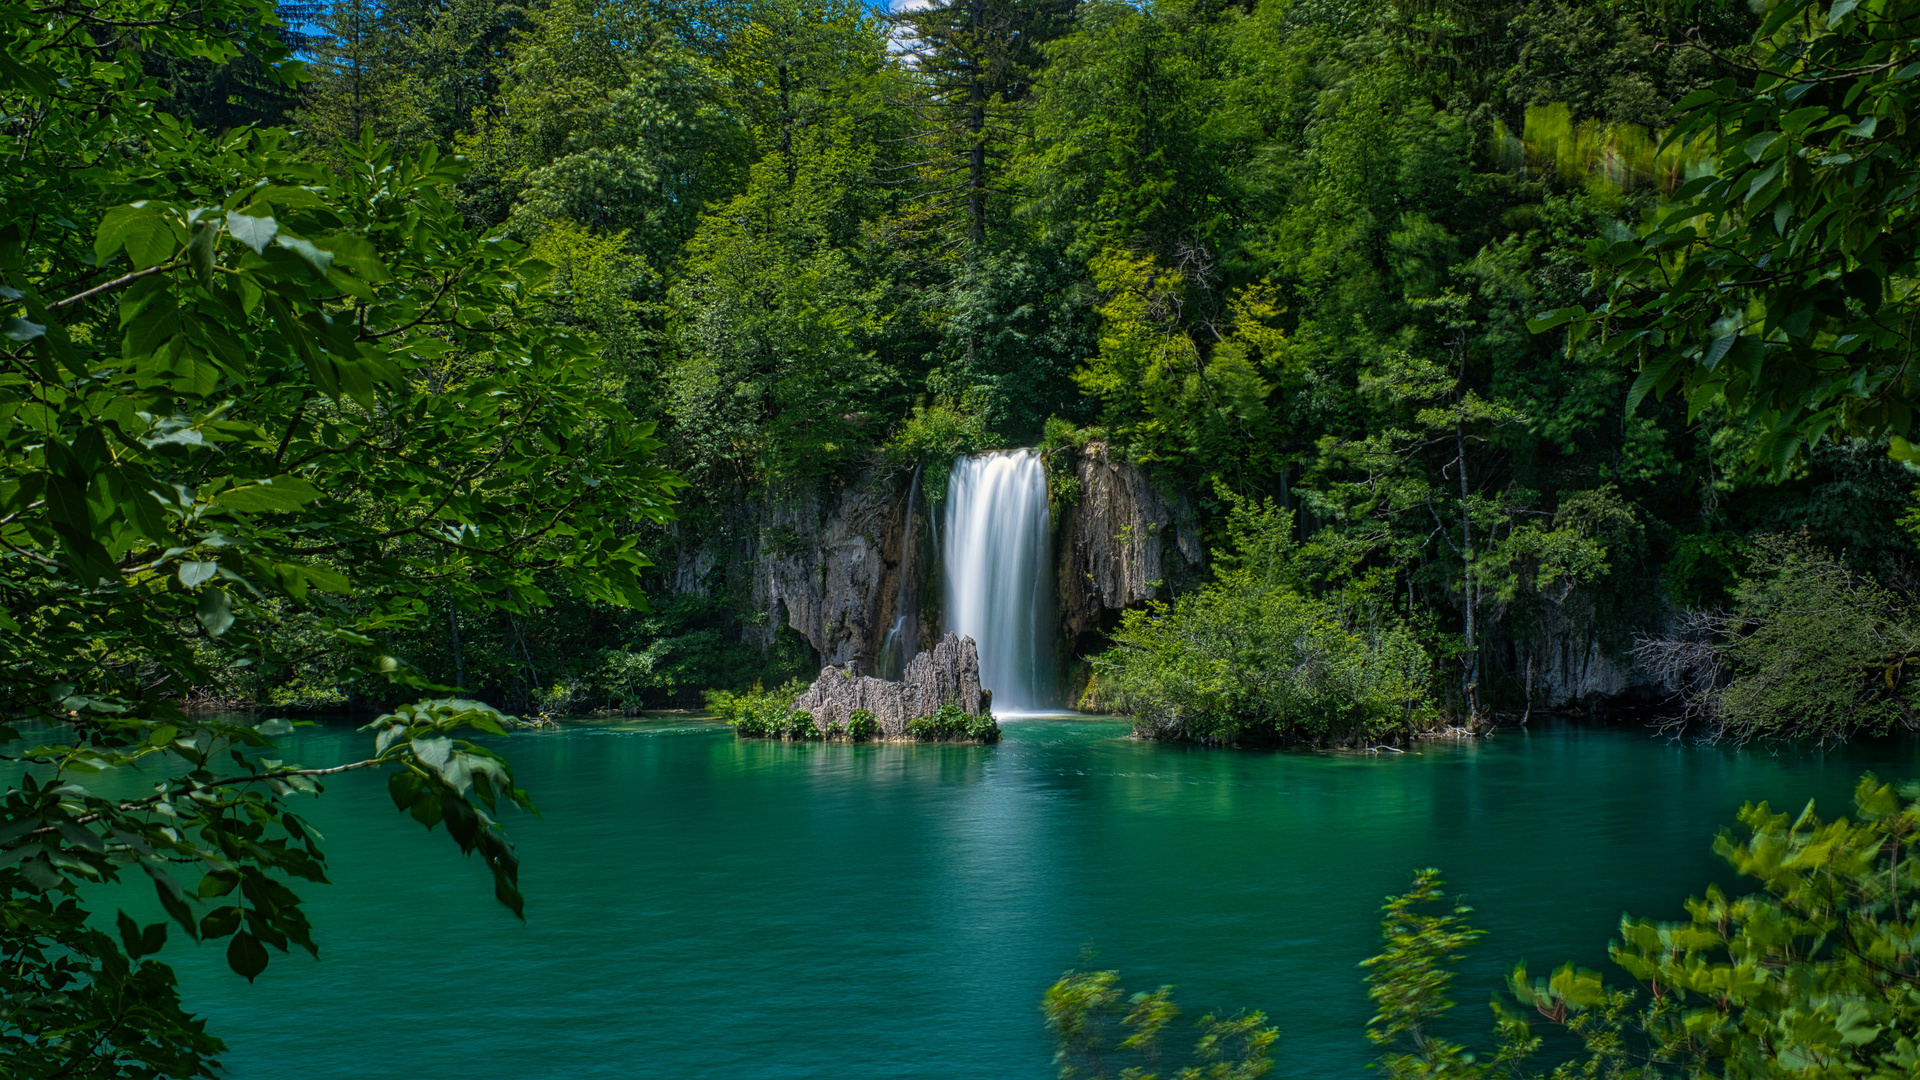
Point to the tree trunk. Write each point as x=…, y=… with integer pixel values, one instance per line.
x=976, y=134
x=459, y=667
x=1471, y=678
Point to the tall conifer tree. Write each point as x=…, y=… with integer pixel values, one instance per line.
x=977, y=61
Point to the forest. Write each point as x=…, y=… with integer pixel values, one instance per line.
x=400, y=359
x=1314, y=257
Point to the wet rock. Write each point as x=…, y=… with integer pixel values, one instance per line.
x=1120, y=544
x=948, y=673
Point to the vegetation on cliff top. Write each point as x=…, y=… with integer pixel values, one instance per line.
x=1340, y=259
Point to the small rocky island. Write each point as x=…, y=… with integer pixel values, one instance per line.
x=938, y=699
x=945, y=678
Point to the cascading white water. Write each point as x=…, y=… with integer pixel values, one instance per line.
x=998, y=574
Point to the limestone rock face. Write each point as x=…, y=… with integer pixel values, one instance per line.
x=1117, y=542
x=947, y=673
x=826, y=559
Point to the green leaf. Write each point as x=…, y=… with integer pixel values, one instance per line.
x=20, y=330
x=217, y=883
x=318, y=259
x=280, y=494
x=215, y=611
x=220, y=922
x=246, y=955
x=1695, y=100
x=255, y=232
x=203, y=249
x=194, y=574
x=1542, y=323
x=1649, y=380
x=173, y=898
x=142, y=230
x=1787, y=9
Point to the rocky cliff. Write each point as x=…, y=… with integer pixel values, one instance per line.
x=948, y=673
x=1120, y=543
x=844, y=561
x=826, y=559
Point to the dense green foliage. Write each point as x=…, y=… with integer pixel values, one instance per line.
x=1285, y=248
x=1776, y=282
x=764, y=714
x=1085, y=1012
x=1810, y=976
x=1256, y=657
x=1810, y=649
x=255, y=414
x=387, y=408
x=1332, y=257
x=951, y=723
x=769, y=714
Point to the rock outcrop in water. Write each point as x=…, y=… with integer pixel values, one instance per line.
x=948, y=673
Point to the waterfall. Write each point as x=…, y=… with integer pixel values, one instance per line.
x=903, y=637
x=998, y=574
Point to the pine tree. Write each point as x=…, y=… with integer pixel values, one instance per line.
x=976, y=62
x=358, y=78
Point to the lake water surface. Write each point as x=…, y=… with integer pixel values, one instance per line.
x=705, y=907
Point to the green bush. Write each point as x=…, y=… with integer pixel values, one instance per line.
x=861, y=726
x=1253, y=658
x=1812, y=649
x=936, y=434
x=800, y=725
x=765, y=714
x=953, y=723
x=1811, y=975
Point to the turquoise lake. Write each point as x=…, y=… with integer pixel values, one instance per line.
x=705, y=907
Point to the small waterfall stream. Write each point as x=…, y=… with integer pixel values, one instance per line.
x=903, y=637
x=999, y=575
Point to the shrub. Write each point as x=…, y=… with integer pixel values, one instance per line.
x=1254, y=658
x=1811, y=649
x=861, y=726
x=936, y=434
x=952, y=722
x=765, y=714
x=1809, y=975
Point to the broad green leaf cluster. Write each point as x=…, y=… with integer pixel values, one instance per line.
x=1810, y=976
x=254, y=410
x=1778, y=284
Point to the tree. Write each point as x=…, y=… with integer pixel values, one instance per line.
x=974, y=63
x=784, y=294
x=250, y=409
x=357, y=82
x=1773, y=284
x=1255, y=658
x=1809, y=976
x=1084, y=1008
